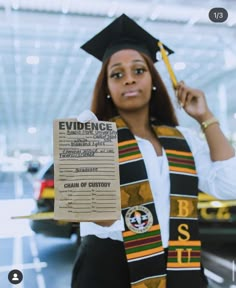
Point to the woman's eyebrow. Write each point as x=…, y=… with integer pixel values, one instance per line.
x=139, y=60
x=115, y=65
x=119, y=63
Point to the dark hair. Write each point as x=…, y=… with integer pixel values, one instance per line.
x=161, y=108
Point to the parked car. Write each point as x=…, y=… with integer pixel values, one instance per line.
x=217, y=217
x=33, y=166
x=43, y=184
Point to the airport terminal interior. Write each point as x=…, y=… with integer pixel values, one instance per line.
x=45, y=75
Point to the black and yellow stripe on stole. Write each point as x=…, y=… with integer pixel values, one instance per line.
x=184, y=244
x=144, y=251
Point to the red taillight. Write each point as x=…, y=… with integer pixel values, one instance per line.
x=40, y=185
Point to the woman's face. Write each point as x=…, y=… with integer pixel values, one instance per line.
x=129, y=81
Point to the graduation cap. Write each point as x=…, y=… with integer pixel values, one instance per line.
x=124, y=33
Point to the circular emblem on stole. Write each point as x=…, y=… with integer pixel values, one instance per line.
x=138, y=219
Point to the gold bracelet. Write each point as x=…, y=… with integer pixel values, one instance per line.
x=208, y=122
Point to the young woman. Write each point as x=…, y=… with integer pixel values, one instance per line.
x=162, y=168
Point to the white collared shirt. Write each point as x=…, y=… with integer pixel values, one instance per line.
x=215, y=178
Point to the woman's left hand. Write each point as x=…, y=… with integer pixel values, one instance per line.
x=193, y=102
x=105, y=223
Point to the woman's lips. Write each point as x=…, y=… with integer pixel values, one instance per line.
x=131, y=93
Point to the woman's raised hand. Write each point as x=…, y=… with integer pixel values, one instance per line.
x=193, y=101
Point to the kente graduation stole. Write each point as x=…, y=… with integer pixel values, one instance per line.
x=142, y=239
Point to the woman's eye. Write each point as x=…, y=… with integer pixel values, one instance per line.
x=140, y=70
x=116, y=75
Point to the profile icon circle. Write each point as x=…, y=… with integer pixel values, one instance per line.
x=15, y=276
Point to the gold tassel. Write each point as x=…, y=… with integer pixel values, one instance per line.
x=168, y=65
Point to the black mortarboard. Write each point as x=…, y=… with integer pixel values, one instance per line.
x=122, y=33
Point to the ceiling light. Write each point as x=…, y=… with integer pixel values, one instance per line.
x=234, y=115
x=15, y=4
x=65, y=6
x=193, y=20
x=26, y=157
x=65, y=10
x=179, y=66
x=32, y=130
x=155, y=13
x=112, y=9
x=32, y=60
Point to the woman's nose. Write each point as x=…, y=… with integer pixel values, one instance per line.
x=129, y=79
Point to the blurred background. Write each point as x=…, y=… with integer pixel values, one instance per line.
x=44, y=75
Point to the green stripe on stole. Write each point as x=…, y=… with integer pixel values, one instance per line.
x=144, y=249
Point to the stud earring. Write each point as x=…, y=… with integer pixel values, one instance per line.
x=108, y=96
x=154, y=88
